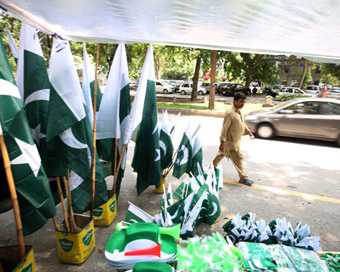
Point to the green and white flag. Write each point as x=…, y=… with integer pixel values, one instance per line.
x=68, y=123
x=88, y=85
x=34, y=87
x=114, y=113
x=214, y=209
x=13, y=46
x=197, y=154
x=5, y=68
x=32, y=186
x=183, y=163
x=135, y=214
x=165, y=142
x=146, y=160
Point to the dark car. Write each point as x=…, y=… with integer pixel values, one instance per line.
x=311, y=118
x=231, y=89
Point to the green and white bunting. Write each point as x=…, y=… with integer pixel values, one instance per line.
x=146, y=160
x=34, y=194
x=69, y=125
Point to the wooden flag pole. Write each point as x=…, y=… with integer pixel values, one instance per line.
x=118, y=166
x=55, y=223
x=67, y=226
x=74, y=227
x=14, y=197
x=94, y=134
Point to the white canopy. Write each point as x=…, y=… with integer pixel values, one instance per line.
x=299, y=27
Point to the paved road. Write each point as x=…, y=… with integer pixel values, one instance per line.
x=296, y=179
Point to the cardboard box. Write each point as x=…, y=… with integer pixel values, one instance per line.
x=11, y=261
x=106, y=213
x=74, y=248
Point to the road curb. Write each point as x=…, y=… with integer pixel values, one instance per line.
x=219, y=114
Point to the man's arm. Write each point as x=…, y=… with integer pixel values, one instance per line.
x=225, y=127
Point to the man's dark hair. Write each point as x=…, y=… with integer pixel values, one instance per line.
x=239, y=95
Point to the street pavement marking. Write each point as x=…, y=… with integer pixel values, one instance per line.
x=286, y=192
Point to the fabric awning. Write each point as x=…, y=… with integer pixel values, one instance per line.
x=303, y=28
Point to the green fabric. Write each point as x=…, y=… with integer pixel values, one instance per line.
x=332, y=261
x=5, y=68
x=151, y=267
x=34, y=194
x=142, y=231
x=146, y=160
x=183, y=163
x=166, y=151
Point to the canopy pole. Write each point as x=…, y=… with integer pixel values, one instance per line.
x=14, y=197
x=67, y=226
x=94, y=134
x=118, y=166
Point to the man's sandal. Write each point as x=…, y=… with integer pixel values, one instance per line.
x=246, y=181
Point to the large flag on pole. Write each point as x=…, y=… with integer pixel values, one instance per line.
x=68, y=123
x=32, y=186
x=146, y=160
x=114, y=113
x=34, y=87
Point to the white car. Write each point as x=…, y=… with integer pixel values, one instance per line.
x=313, y=89
x=293, y=90
x=163, y=87
x=186, y=88
x=334, y=93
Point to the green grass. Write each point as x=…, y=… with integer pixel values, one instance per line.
x=219, y=106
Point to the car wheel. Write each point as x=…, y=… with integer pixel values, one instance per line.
x=265, y=131
x=183, y=92
x=165, y=91
x=338, y=141
x=200, y=92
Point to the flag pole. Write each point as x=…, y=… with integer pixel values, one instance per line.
x=118, y=166
x=55, y=223
x=67, y=226
x=94, y=134
x=14, y=197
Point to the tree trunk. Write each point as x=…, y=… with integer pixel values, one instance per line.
x=212, y=80
x=304, y=71
x=195, y=79
x=249, y=76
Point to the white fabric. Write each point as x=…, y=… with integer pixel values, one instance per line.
x=12, y=45
x=303, y=28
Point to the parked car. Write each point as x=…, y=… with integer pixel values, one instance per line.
x=163, y=87
x=313, y=89
x=234, y=88
x=334, y=93
x=206, y=86
x=292, y=90
x=275, y=90
x=221, y=86
x=311, y=118
x=186, y=88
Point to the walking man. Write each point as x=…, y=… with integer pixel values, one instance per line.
x=232, y=130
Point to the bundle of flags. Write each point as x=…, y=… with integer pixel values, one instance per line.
x=279, y=231
x=198, y=202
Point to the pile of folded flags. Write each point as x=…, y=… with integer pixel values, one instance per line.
x=279, y=231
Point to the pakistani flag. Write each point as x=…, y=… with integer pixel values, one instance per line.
x=13, y=46
x=32, y=186
x=113, y=115
x=135, y=214
x=69, y=126
x=88, y=85
x=34, y=87
x=5, y=68
x=146, y=160
x=183, y=161
x=197, y=154
x=165, y=142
